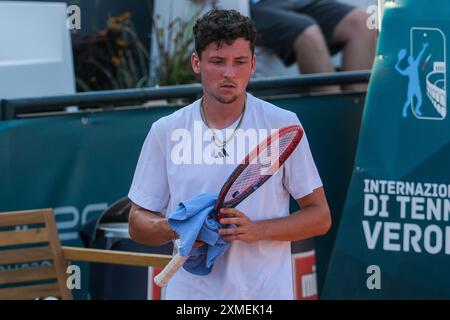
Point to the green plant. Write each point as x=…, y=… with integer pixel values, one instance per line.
x=113, y=58
x=174, y=47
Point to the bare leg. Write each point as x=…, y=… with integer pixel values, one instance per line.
x=419, y=103
x=406, y=105
x=359, y=44
x=313, y=56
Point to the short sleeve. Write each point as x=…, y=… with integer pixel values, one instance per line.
x=149, y=188
x=300, y=172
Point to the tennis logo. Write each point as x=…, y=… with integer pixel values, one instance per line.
x=424, y=68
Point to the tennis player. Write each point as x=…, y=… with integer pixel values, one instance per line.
x=173, y=168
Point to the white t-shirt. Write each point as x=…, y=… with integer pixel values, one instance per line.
x=175, y=164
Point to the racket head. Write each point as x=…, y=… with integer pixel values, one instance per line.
x=258, y=166
x=401, y=54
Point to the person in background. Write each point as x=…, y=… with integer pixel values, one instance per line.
x=309, y=32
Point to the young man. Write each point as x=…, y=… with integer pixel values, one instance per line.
x=258, y=263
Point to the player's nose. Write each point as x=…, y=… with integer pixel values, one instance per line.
x=229, y=71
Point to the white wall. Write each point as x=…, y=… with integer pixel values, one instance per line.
x=36, y=52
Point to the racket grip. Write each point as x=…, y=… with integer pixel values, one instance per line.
x=163, y=278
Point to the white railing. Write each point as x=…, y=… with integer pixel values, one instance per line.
x=436, y=93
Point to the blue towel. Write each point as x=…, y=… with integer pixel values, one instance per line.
x=194, y=219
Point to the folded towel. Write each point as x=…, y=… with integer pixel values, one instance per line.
x=194, y=219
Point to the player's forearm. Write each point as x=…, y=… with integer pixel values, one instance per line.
x=148, y=227
x=303, y=224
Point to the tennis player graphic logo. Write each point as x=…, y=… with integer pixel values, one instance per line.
x=424, y=68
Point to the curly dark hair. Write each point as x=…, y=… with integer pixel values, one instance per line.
x=219, y=25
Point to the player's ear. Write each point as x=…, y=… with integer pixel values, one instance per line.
x=195, y=62
x=253, y=64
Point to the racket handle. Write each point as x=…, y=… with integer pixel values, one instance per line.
x=163, y=278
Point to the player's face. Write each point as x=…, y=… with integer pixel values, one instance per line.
x=225, y=70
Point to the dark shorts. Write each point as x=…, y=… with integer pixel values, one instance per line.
x=280, y=22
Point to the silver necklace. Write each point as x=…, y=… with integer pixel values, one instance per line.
x=216, y=139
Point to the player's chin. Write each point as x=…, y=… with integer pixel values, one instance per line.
x=228, y=96
x=227, y=99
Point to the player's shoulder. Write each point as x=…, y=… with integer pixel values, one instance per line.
x=177, y=119
x=267, y=110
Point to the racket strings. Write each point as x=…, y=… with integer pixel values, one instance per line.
x=249, y=177
x=285, y=141
x=254, y=172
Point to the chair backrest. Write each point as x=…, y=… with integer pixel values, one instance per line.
x=31, y=259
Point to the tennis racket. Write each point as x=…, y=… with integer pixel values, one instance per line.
x=256, y=168
x=401, y=54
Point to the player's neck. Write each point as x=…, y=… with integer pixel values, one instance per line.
x=222, y=115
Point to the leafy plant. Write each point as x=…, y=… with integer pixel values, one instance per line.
x=113, y=58
x=174, y=47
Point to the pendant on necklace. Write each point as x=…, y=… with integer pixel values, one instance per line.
x=224, y=151
x=221, y=153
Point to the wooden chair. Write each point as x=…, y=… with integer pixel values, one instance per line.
x=32, y=237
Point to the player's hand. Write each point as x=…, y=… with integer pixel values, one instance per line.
x=198, y=243
x=246, y=229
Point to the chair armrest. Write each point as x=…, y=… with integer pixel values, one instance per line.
x=115, y=257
